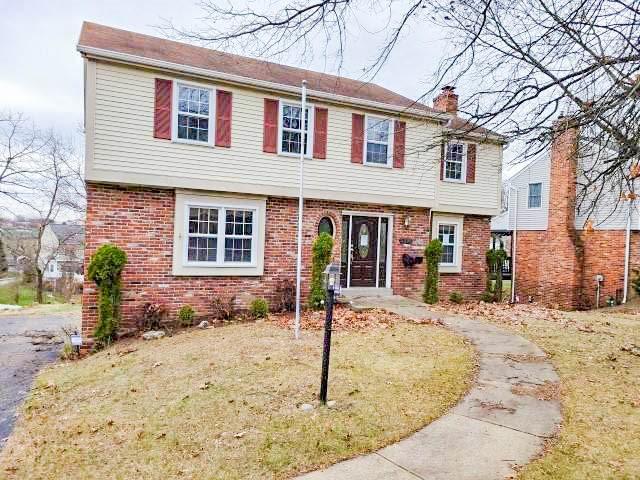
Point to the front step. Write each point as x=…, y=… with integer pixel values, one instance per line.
x=353, y=294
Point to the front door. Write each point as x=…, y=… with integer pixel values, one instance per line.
x=364, y=251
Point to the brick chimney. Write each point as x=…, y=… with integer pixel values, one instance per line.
x=447, y=100
x=564, y=159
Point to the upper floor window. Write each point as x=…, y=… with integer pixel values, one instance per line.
x=378, y=134
x=291, y=129
x=535, y=195
x=194, y=114
x=455, y=160
x=220, y=235
x=447, y=235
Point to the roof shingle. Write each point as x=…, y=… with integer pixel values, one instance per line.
x=111, y=39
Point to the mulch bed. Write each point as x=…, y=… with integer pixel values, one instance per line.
x=343, y=319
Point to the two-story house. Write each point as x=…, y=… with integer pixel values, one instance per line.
x=567, y=250
x=192, y=161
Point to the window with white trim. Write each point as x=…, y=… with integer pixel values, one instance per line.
x=377, y=137
x=447, y=235
x=220, y=235
x=455, y=160
x=193, y=114
x=535, y=195
x=291, y=128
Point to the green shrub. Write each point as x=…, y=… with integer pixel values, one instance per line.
x=487, y=297
x=495, y=259
x=259, y=308
x=105, y=269
x=456, y=297
x=432, y=254
x=186, y=314
x=635, y=281
x=321, y=257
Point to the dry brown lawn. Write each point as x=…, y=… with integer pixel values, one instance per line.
x=223, y=403
x=599, y=369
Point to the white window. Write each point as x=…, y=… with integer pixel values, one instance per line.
x=455, y=162
x=220, y=235
x=447, y=235
x=290, y=122
x=535, y=195
x=193, y=122
x=52, y=267
x=378, y=137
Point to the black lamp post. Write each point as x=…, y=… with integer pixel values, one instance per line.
x=332, y=285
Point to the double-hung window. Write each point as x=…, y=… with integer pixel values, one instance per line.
x=455, y=160
x=291, y=129
x=378, y=140
x=220, y=235
x=447, y=235
x=535, y=195
x=194, y=115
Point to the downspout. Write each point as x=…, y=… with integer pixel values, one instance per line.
x=627, y=248
x=514, y=247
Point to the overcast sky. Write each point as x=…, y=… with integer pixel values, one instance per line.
x=41, y=72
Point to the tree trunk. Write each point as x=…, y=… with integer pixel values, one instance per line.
x=39, y=286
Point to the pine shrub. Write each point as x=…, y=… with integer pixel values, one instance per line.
x=105, y=269
x=321, y=257
x=259, y=308
x=186, y=315
x=432, y=254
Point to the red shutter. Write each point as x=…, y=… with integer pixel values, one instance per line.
x=162, y=109
x=270, y=128
x=223, y=118
x=320, y=133
x=442, y=149
x=357, y=137
x=398, y=144
x=471, y=163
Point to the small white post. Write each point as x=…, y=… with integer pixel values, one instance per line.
x=627, y=247
x=303, y=141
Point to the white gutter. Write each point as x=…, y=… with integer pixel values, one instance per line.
x=278, y=87
x=303, y=142
x=627, y=247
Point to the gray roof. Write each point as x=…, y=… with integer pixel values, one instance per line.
x=68, y=233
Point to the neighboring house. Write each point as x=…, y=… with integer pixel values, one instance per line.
x=20, y=244
x=560, y=249
x=62, y=251
x=192, y=167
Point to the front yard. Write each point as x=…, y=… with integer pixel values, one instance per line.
x=224, y=403
x=600, y=387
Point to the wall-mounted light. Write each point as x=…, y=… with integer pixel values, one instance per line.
x=407, y=221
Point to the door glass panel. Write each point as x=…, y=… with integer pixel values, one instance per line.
x=363, y=241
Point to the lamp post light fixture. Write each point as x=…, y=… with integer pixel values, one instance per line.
x=331, y=279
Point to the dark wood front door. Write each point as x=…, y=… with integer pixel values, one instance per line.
x=364, y=251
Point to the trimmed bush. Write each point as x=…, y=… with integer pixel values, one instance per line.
x=259, y=308
x=635, y=281
x=456, y=297
x=495, y=259
x=186, y=314
x=105, y=269
x=321, y=257
x=432, y=254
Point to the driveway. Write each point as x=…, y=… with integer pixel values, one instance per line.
x=29, y=339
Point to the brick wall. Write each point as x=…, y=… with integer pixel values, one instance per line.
x=557, y=267
x=140, y=220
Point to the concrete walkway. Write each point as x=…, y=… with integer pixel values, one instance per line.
x=491, y=431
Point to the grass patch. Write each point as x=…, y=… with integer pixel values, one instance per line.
x=26, y=295
x=223, y=403
x=599, y=390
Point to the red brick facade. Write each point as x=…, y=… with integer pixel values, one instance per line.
x=141, y=221
x=557, y=267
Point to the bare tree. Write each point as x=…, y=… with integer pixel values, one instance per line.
x=20, y=144
x=526, y=62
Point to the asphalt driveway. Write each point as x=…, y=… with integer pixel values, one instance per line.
x=29, y=339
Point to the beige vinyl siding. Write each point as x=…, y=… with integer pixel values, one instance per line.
x=125, y=151
x=484, y=193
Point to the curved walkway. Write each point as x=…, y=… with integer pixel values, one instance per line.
x=491, y=431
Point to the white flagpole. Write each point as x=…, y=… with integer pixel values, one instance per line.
x=303, y=141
